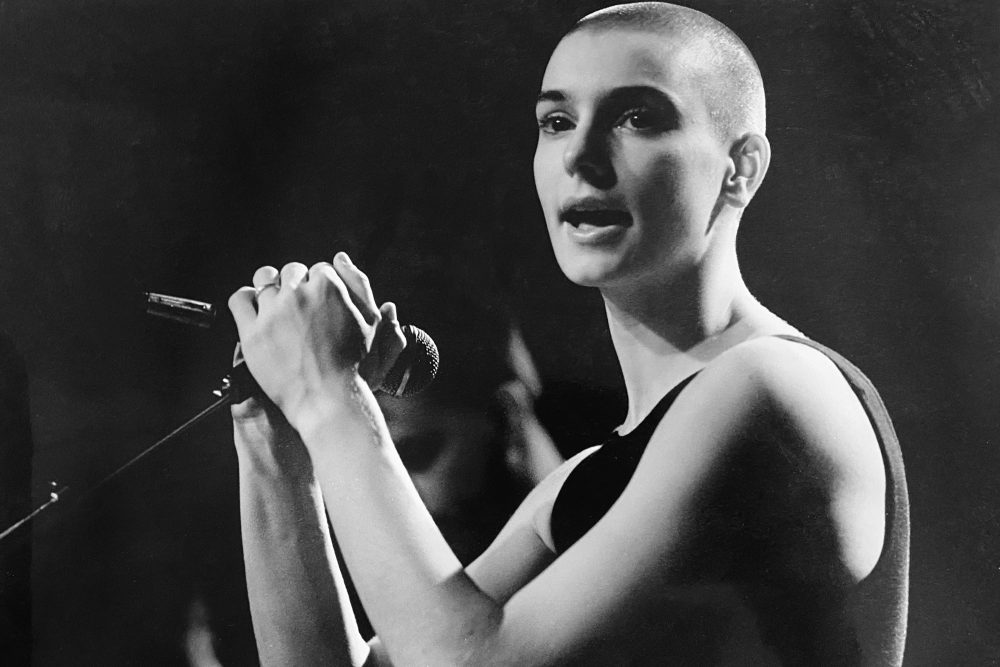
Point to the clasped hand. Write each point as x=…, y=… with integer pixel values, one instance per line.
x=307, y=332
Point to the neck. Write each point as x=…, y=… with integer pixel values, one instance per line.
x=665, y=333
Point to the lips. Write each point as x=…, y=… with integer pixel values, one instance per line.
x=594, y=213
x=596, y=218
x=594, y=222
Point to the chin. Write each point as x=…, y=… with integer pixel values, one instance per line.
x=589, y=271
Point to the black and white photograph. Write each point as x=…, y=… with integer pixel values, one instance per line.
x=537, y=332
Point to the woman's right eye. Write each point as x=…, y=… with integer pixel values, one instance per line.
x=554, y=124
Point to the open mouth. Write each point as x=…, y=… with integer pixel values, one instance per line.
x=590, y=212
x=591, y=215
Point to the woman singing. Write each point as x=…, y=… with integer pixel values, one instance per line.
x=751, y=507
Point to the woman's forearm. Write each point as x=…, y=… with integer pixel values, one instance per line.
x=299, y=604
x=305, y=336
x=424, y=606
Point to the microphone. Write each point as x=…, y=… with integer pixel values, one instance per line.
x=413, y=371
x=416, y=367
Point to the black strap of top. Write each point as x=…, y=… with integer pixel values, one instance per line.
x=652, y=420
x=597, y=481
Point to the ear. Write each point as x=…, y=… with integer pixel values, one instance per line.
x=748, y=162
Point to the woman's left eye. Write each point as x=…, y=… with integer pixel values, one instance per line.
x=640, y=118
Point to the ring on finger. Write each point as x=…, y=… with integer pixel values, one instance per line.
x=260, y=289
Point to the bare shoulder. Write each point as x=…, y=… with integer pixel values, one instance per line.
x=805, y=389
x=805, y=411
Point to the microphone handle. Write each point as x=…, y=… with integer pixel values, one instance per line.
x=240, y=384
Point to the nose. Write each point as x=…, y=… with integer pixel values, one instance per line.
x=587, y=155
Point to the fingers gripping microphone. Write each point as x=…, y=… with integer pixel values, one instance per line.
x=414, y=370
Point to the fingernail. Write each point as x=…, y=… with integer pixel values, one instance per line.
x=343, y=258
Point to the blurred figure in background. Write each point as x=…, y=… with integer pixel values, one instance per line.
x=472, y=442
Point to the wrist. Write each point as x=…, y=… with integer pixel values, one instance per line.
x=280, y=461
x=345, y=408
x=311, y=396
x=266, y=450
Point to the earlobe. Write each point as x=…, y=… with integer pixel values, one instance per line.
x=748, y=162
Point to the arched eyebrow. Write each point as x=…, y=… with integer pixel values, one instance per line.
x=630, y=94
x=551, y=96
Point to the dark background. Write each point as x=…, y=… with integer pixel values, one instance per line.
x=175, y=146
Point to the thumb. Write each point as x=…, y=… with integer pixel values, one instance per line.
x=386, y=347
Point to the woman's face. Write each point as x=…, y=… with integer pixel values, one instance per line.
x=628, y=166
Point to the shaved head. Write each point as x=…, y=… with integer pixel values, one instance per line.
x=726, y=71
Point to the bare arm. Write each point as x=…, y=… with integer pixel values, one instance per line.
x=304, y=347
x=438, y=613
x=299, y=603
x=608, y=598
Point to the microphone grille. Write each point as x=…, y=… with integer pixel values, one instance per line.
x=416, y=367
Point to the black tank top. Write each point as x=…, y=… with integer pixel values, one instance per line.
x=865, y=627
